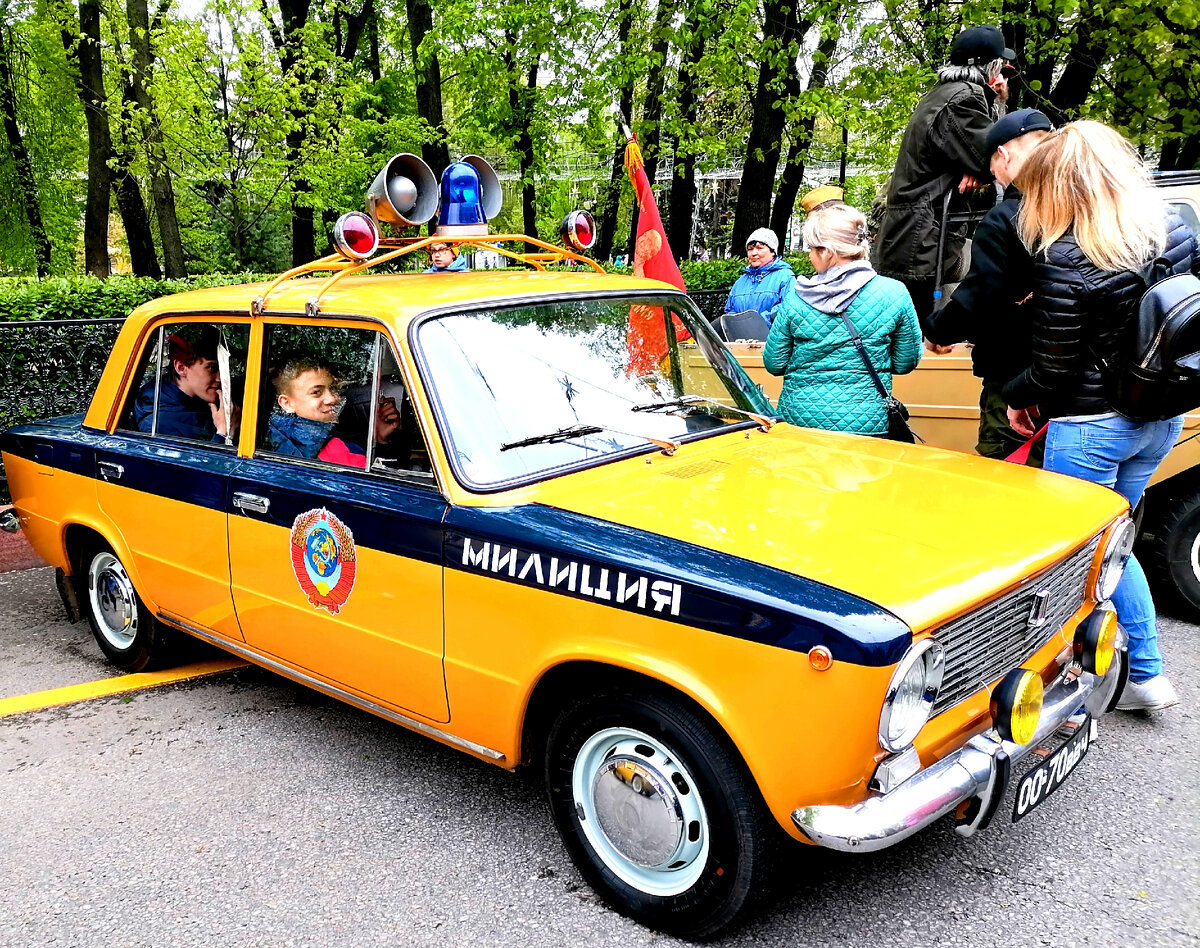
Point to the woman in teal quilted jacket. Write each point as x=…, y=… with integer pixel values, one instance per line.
x=825, y=384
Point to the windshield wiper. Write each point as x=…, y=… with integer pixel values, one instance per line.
x=684, y=401
x=550, y=437
x=578, y=431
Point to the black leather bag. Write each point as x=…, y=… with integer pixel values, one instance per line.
x=897, y=415
x=897, y=411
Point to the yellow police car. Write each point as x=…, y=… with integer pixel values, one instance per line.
x=546, y=518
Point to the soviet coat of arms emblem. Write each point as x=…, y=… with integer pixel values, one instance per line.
x=323, y=558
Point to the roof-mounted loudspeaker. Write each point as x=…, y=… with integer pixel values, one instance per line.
x=405, y=192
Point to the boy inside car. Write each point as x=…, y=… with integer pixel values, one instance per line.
x=309, y=406
x=189, y=398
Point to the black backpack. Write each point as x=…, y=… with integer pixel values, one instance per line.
x=1162, y=377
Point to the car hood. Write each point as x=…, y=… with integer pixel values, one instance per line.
x=923, y=532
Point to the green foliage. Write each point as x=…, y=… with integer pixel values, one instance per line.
x=226, y=98
x=87, y=297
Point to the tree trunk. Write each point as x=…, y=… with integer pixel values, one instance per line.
x=142, y=256
x=288, y=42
x=162, y=191
x=24, y=167
x=84, y=51
x=683, y=182
x=373, y=48
x=1087, y=54
x=610, y=194
x=793, y=169
x=656, y=81
x=428, y=74
x=523, y=101
x=766, y=127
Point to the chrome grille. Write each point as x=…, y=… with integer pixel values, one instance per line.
x=988, y=642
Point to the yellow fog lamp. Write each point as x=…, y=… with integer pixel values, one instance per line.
x=1017, y=705
x=1096, y=641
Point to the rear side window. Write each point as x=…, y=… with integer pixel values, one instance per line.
x=190, y=383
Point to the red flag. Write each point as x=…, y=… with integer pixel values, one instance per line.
x=652, y=258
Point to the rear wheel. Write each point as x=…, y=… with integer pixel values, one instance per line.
x=128, y=635
x=658, y=814
x=1172, y=547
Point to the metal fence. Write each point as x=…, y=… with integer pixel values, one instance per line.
x=50, y=367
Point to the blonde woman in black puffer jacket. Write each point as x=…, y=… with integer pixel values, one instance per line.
x=1093, y=220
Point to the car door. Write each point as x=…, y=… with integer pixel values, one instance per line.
x=336, y=568
x=163, y=471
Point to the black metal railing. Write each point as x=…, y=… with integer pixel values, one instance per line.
x=50, y=367
x=711, y=302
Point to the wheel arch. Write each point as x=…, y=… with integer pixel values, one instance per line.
x=76, y=538
x=570, y=680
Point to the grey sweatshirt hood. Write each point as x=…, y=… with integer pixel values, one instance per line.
x=834, y=290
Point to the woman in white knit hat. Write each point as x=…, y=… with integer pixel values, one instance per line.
x=764, y=281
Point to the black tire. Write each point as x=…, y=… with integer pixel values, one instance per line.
x=1171, y=545
x=658, y=813
x=128, y=635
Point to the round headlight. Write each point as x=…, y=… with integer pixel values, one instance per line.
x=1017, y=705
x=1117, y=547
x=911, y=693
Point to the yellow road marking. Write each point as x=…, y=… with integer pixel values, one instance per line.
x=106, y=687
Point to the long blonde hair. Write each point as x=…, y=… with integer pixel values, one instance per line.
x=1086, y=177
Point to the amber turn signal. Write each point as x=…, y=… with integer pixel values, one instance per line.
x=820, y=658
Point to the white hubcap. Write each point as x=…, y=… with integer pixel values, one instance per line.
x=113, y=601
x=641, y=811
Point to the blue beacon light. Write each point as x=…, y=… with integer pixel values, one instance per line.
x=461, y=205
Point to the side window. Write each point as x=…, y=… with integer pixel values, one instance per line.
x=1185, y=210
x=337, y=395
x=190, y=382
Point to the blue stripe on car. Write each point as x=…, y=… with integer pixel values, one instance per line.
x=604, y=562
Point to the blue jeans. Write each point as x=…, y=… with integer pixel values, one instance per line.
x=1122, y=454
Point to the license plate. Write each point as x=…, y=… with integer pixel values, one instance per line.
x=1049, y=775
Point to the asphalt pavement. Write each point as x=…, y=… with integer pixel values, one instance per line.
x=242, y=809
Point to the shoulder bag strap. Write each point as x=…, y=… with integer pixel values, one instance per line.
x=862, y=353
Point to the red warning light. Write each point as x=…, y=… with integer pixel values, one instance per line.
x=355, y=235
x=578, y=230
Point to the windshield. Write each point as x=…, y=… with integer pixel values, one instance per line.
x=523, y=392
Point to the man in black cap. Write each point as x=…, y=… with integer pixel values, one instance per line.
x=986, y=308
x=944, y=147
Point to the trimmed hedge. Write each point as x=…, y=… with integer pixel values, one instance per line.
x=85, y=297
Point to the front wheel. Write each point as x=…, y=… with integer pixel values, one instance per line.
x=1172, y=546
x=128, y=635
x=658, y=814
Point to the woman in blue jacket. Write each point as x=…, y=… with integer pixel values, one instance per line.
x=763, y=283
x=825, y=383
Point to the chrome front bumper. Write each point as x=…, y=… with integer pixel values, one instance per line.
x=973, y=771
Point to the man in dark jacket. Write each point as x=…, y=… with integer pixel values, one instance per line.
x=944, y=148
x=986, y=307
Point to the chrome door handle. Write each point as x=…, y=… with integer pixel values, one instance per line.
x=109, y=470
x=250, y=503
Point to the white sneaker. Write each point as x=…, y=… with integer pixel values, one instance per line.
x=1154, y=694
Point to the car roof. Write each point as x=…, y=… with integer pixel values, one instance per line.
x=398, y=298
